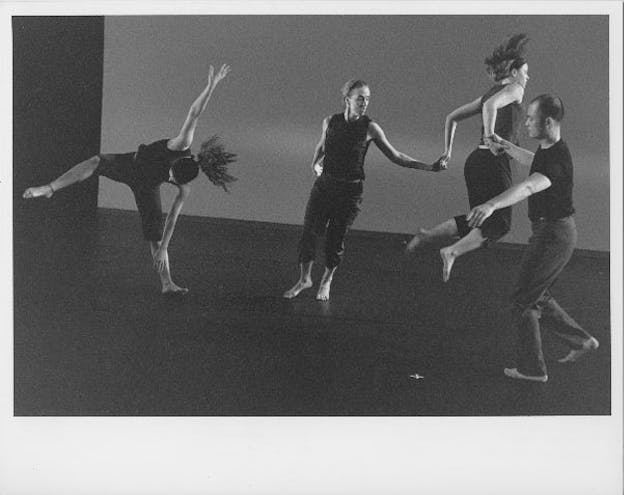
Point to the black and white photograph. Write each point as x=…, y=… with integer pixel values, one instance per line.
x=312, y=247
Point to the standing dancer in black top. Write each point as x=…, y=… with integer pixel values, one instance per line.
x=337, y=192
x=487, y=171
x=167, y=160
x=549, y=190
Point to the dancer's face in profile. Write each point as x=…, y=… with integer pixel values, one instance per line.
x=536, y=126
x=357, y=101
x=521, y=75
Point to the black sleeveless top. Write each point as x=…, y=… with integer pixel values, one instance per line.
x=153, y=161
x=508, y=118
x=346, y=147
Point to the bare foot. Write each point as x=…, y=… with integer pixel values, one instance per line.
x=173, y=289
x=323, y=292
x=448, y=258
x=514, y=373
x=35, y=192
x=588, y=346
x=298, y=287
x=418, y=241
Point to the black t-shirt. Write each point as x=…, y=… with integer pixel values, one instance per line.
x=556, y=201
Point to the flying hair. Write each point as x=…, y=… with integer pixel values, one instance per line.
x=214, y=160
x=508, y=55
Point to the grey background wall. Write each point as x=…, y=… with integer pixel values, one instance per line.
x=286, y=75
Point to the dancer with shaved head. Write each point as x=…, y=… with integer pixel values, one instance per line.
x=549, y=192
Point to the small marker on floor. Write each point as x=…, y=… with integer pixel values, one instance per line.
x=416, y=376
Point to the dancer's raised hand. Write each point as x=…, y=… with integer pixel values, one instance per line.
x=223, y=71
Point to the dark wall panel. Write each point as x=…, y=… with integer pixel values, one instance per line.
x=57, y=100
x=57, y=107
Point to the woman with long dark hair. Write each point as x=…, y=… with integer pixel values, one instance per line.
x=164, y=161
x=337, y=192
x=487, y=171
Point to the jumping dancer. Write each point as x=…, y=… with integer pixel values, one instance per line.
x=166, y=160
x=337, y=192
x=487, y=171
x=549, y=191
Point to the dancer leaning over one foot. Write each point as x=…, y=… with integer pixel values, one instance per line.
x=166, y=160
x=487, y=171
x=337, y=192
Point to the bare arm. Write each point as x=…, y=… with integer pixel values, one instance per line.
x=172, y=217
x=509, y=94
x=184, y=139
x=450, y=126
x=160, y=254
x=535, y=183
x=319, y=151
x=378, y=136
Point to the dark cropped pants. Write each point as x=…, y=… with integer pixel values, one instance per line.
x=119, y=167
x=332, y=208
x=486, y=176
x=549, y=250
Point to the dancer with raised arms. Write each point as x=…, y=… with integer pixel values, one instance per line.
x=164, y=161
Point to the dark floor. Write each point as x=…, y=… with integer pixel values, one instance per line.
x=93, y=336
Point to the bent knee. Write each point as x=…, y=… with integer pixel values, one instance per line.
x=88, y=167
x=94, y=161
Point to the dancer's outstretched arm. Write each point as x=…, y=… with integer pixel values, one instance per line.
x=512, y=93
x=450, y=125
x=319, y=151
x=379, y=138
x=535, y=183
x=184, y=139
x=160, y=255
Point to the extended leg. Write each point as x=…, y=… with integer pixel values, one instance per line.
x=530, y=356
x=443, y=231
x=473, y=240
x=337, y=227
x=567, y=329
x=313, y=225
x=77, y=173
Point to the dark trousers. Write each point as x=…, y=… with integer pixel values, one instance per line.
x=119, y=167
x=549, y=250
x=332, y=208
x=486, y=176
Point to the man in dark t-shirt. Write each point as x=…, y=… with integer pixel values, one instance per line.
x=164, y=161
x=549, y=192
